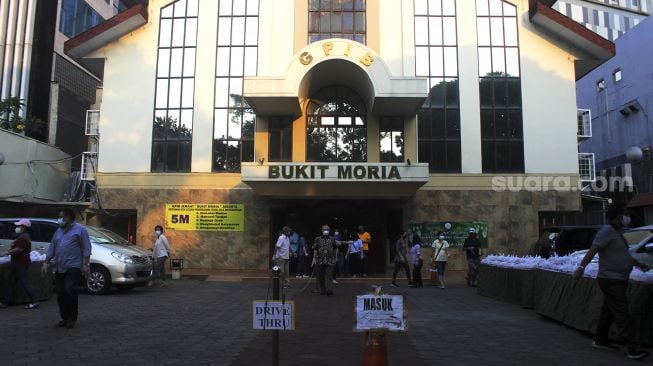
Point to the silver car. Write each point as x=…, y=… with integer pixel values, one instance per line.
x=114, y=261
x=640, y=245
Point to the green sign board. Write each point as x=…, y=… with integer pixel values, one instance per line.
x=454, y=232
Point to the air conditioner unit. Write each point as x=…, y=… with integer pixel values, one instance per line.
x=89, y=165
x=92, y=123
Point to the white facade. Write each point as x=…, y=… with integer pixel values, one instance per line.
x=547, y=75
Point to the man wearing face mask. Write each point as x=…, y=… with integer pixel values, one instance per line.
x=161, y=254
x=281, y=255
x=324, y=249
x=20, y=263
x=71, y=250
x=615, y=265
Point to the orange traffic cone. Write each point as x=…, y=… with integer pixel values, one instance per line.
x=375, y=352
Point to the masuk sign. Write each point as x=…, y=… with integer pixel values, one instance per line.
x=335, y=172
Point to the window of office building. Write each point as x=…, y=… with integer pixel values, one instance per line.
x=336, y=19
x=76, y=17
x=336, y=128
x=436, y=58
x=237, y=54
x=280, y=142
x=391, y=139
x=175, y=86
x=502, y=142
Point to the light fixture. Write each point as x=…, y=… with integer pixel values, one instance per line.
x=634, y=153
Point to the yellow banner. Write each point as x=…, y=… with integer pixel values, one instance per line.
x=205, y=217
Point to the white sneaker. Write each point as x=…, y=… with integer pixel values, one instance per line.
x=334, y=282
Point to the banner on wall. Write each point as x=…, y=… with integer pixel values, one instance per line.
x=205, y=217
x=455, y=232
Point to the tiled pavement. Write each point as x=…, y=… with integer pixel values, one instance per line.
x=195, y=323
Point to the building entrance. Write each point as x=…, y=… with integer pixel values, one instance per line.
x=381, y=218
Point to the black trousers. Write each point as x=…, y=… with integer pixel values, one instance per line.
x=323, y=274
x=354, y=260
x=614, y=310
x=417, y=273
x=67, y=284
x=18, y=276
x=398, y=266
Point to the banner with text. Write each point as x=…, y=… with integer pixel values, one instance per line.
x=454, y=232
x=380, y=312
x=273, y=315
x=205, y=217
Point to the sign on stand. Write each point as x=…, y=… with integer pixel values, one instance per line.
x=274, y=315
x=380, y=312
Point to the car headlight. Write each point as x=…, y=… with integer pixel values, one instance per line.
x=122, y=257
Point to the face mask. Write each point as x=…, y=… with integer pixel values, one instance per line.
x=325, y=232
x=19, y=230
x=60, y=222
x=625, y=221
x=158, y=233
x=441, y=237
x=336, y=233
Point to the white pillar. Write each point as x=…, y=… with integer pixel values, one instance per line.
x=18, y=48
x=9, y=49
x=4, y=13
x=27, y=53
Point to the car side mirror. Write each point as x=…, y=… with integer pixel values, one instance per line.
x=648, y=248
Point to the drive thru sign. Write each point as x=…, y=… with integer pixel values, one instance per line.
x=273, y=315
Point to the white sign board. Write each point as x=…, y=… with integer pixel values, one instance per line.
x=380, y=311
x=273, y=315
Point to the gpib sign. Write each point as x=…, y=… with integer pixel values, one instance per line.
x=380, y=312
x=205, y=217
x=273, y=315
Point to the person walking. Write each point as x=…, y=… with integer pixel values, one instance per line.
x=71, y=250
x=302, y=259
x=294, y=252
x=339, y=265
x=20, y=263
x=282, y=254
x=161, y=254
x=401, y=261
x=366, y=238
x=472, y=248
x=416, y=255
x=324, y=250
x=440, y=257
x=615, y=265
x=354, y=252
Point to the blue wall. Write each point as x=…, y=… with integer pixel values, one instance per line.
x=634, y=57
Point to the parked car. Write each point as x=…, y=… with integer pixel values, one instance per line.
x=563, y=240
x=114, y=261
x=642, y=250
x=636, y=235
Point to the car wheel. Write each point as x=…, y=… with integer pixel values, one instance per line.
x=125, y=288
x=98, y=281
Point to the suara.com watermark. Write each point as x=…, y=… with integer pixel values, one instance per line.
x=561, y=183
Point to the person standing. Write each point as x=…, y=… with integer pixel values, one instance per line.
x=71, y=250
x=472, y=248
x=282, y=254
x=440, y=257
x=401, y=261
x=615, y=265
x=354, y=255
x=324, y=250
x=416, y=255
x=161, y=255
x=338, y=268
x=366, y=238
x=294, y=252
x=20, y=263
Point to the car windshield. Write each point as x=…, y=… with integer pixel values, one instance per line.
x=636, y=236
x=103, y=236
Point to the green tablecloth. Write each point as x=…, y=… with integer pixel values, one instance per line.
x=557, y=296
x=507, y=284
x=41, y=284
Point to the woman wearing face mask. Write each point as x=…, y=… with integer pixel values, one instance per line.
x=20, y=262
x=440, y=256
x=161, y=254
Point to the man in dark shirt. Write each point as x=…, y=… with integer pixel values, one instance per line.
x=472, y=248
x=615, y=265
x=20, y=262
x=324, y=249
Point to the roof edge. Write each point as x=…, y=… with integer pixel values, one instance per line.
x=74, y=47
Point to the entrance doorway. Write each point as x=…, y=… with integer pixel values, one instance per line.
x=381, y=218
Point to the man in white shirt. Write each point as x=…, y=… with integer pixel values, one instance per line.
x=282, y=254
x=161, y=253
